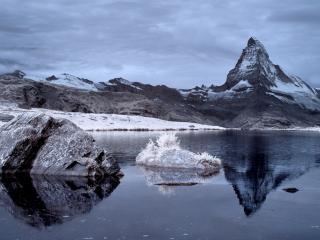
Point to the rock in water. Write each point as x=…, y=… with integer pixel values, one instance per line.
x=291, y=190
x=167, y=153
x=40, y=144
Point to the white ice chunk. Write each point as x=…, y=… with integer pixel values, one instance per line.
x=166, y=152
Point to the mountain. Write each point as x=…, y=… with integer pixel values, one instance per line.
x=169, y=99
x=256, y=94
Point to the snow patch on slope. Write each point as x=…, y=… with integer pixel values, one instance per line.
x=67, y=80
x=304, y=96
x=241, y=85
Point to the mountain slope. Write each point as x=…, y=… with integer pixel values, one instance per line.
x=67, y=80
x=258, y=94
x=27, y=93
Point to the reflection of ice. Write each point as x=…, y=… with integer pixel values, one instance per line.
x=166, y=190
x=42, y=202
x=161, y=175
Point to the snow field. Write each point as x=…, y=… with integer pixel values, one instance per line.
x=112, y=122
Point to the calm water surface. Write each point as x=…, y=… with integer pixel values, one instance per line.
x=244, y=201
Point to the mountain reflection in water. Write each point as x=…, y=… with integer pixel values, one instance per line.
x=44, y=201
x=254, y=174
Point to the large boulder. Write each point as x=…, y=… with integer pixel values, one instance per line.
x=40, y=144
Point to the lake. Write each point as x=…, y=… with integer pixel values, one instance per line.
x=245, y=200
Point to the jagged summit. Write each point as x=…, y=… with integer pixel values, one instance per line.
x=256, y=43
x=255, y=68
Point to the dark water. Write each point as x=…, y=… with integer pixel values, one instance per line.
x=244, y=201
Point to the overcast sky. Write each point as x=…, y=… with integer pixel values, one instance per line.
x=179, y=43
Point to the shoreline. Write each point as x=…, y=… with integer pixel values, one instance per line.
x=113, y=122
x=91, y=122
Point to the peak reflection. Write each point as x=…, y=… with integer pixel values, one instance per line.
x=257, y=169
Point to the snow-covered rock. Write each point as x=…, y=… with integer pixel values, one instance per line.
x=167, y=153
x=40, y=144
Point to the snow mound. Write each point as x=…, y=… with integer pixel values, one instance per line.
x=166, y=152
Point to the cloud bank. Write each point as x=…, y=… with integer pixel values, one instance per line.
x=179, y=43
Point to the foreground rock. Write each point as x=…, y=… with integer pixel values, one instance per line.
x=40, y=144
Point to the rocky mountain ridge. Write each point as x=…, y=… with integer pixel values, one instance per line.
x=256, y=94
x=27, y=93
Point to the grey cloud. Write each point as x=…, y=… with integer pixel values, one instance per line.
x=178, y=43
x=310, y=16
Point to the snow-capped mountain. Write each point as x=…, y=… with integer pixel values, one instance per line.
x=256, y=94
x=255, y=70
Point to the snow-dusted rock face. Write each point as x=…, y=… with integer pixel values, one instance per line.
x=41, y=202
x=27, y=93
x=40, y=144
x=167, y=153
x=169, y=98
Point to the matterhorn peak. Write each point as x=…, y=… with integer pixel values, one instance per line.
x=254, y=41
x=255, y=69
x=253, y=62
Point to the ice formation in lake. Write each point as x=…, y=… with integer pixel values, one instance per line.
x=166, y=152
